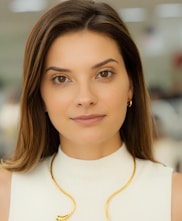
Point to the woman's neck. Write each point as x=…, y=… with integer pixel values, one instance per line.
x=92, y=151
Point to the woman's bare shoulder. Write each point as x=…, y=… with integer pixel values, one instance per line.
x=5, y=188
x=177, y=197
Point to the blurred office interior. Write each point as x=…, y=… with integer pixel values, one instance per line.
x=156, y=26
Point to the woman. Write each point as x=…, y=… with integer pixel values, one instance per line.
x=84, y=150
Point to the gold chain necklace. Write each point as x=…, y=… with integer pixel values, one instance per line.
x=67, y=216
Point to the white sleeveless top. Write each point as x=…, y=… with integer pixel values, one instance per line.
x=34, y=197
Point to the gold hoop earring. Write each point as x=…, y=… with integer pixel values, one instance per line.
x=129, y=104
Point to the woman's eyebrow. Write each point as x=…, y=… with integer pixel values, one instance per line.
x=104, y=62
x=54, y=68
x=100, y=64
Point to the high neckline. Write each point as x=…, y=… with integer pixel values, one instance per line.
x=118, y=164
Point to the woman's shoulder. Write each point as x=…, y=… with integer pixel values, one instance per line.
x=177, y=197
x=154, y=169
x=5, y=188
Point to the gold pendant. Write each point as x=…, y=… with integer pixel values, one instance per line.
x=62, y=218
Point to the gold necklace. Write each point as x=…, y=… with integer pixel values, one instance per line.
x=67, y=216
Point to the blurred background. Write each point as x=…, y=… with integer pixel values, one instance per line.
x=156, y=27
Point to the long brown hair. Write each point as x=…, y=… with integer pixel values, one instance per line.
x=38, y=138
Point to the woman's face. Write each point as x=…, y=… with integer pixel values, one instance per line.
x=85, y=89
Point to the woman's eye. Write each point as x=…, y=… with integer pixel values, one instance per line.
x=105, y=74
x=60, y=79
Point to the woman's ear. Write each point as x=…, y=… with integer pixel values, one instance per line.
x=131, y=89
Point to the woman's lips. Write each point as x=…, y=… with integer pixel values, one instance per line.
x=88, y=119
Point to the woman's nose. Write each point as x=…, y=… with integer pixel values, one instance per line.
x=86, y=96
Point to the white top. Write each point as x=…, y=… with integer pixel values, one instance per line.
x=168, y=151
x=34, y=197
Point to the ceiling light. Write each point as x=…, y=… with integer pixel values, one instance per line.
x=27, y=5
x=169, y=10
x=133, y=14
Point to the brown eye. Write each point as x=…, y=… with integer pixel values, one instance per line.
x=60, y=79
x=105, y=74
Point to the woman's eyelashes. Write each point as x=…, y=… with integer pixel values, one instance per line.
x=105, y=74
x=62, y=79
